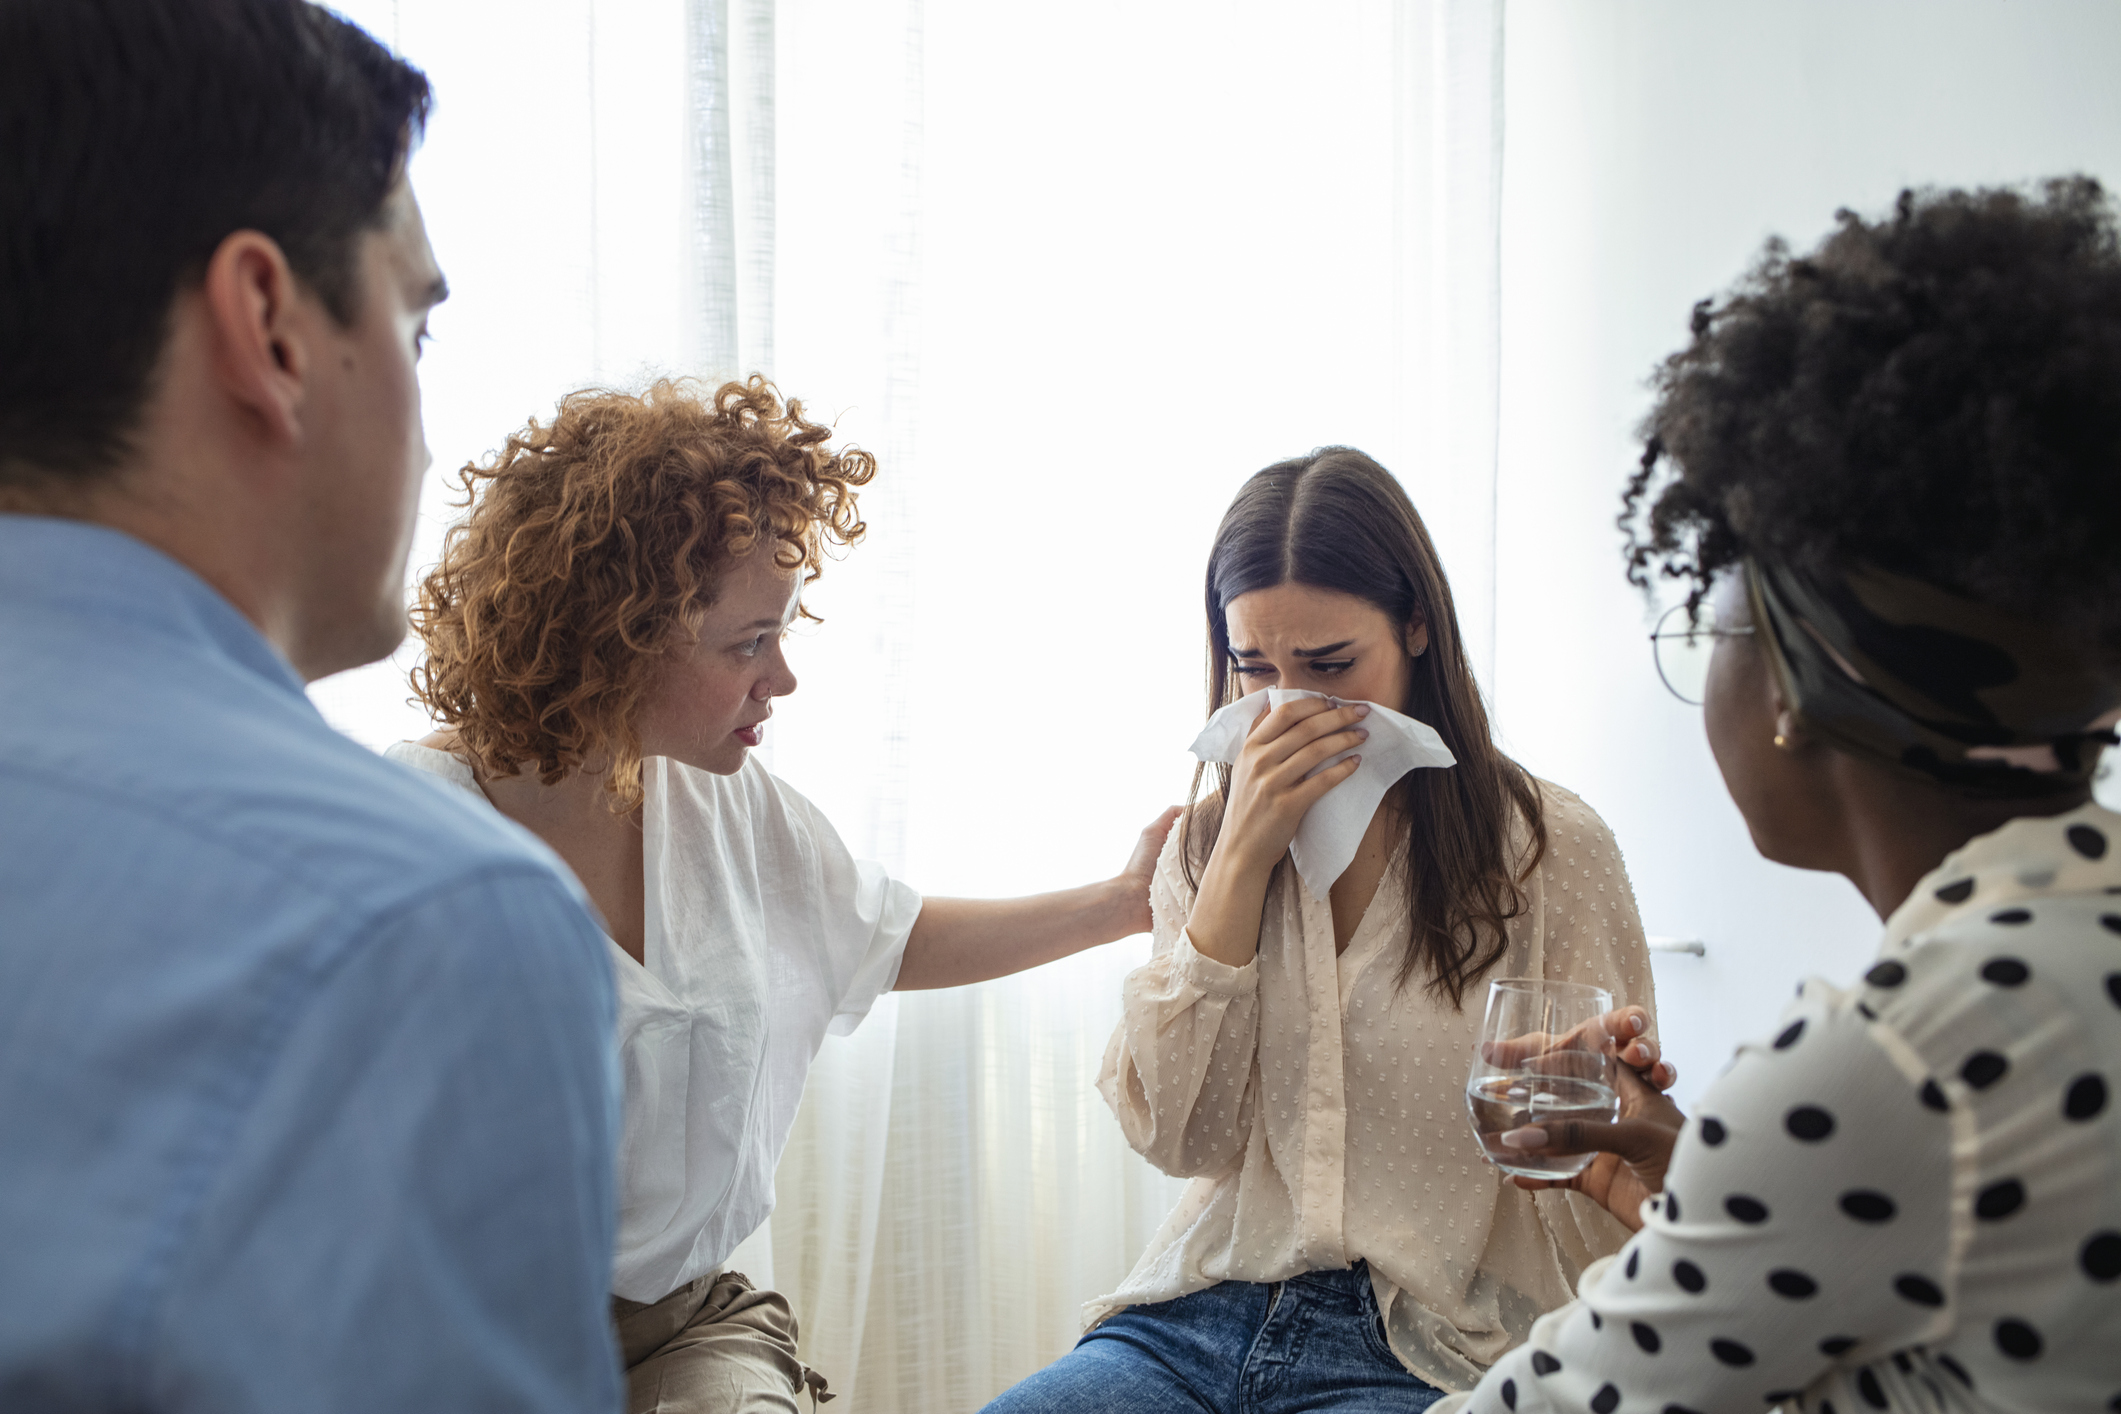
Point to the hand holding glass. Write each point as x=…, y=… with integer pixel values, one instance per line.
x=1542, y=1058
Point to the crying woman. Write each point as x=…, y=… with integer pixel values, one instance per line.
x=1298, y=1046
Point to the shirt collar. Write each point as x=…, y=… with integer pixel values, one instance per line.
x=54, y=567
x=2031, y=857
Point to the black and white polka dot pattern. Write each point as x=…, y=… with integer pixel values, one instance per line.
x=1804, y=1252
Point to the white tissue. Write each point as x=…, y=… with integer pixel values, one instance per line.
x=1331, y=832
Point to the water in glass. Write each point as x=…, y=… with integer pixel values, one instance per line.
x=1541, y=1059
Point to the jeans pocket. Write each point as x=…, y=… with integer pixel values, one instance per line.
x=1380, y=1342
x=1373, y=1322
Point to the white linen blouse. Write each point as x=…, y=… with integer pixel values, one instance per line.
x=1320, y=1108
x=1909, y=1197
x=762, y=934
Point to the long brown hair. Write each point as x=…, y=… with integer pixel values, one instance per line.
x=1337, y=520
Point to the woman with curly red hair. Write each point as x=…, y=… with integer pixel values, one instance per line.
x=603, y=641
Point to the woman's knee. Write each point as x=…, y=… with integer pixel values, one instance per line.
x=1103, y=1374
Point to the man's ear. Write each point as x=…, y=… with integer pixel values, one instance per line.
x=1417, y=639
x=262, y=332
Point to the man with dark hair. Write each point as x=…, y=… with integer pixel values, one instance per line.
x=306, y=1098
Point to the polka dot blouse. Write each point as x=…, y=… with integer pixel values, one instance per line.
x=1909, y=1196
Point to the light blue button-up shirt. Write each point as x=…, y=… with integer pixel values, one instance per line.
x=306, y=1091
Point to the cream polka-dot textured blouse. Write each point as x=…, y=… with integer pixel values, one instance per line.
x=1320, y=1108
x=1909, y=1197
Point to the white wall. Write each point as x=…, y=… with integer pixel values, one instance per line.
x=1650, y=148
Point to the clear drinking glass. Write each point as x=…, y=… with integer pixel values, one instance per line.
x=1541, y=1059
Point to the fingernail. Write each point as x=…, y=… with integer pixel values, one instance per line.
x=1362, y=710
x=1638, y=1023
x=1671, y=1073
x=1529, y=1137
x=1361, y=735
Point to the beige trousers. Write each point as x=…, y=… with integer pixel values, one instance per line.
x=716, y=1346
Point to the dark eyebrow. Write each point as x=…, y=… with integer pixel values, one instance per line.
x=1299, y=652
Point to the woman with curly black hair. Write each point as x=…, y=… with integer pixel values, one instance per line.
x=1898, y=495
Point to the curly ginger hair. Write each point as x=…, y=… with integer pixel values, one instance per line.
x=594, y=543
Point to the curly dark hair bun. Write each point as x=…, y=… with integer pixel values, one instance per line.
x=1937, y=392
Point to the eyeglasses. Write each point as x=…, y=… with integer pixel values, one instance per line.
x=1683, y=647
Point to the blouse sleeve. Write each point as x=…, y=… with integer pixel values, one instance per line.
x=860, y=917
x=1804, y=1226
x=1593, y=934
x=1179, y=1071
x=877, y=916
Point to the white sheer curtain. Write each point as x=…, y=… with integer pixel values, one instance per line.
x=1073, y=273
x=1122, y=260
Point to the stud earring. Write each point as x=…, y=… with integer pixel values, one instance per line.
x=1782, y=742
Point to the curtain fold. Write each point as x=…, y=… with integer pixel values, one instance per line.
x=1446, y=213
x=896, y=497
x=753, y=165
x=709, y=184
x=729, y=186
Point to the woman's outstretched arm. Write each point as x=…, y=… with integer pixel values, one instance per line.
x=957, y=941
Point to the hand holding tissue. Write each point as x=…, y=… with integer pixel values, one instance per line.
x=1326, y=841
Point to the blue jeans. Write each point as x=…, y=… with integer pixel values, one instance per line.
x=1314, y=1341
